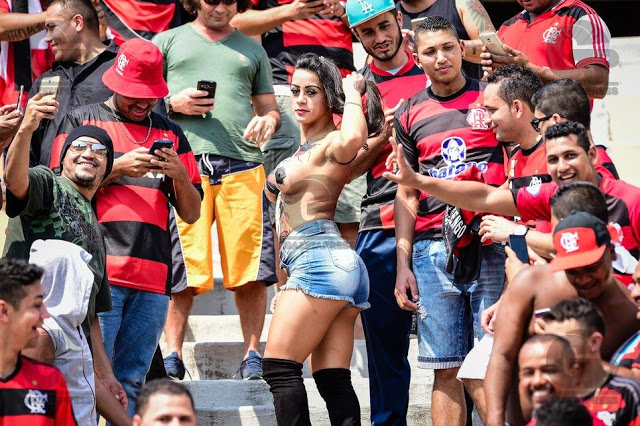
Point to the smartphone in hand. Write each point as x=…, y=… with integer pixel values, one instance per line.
x=50, y=84
x=209, y=87
x=159, y=144
x=493, y=43
x=518, y=244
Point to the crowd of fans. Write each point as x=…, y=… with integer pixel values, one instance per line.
x=450, y=189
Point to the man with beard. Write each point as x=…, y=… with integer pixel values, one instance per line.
x=386, y=326
x=43, y=206
x=613, y=399
x=133, y=206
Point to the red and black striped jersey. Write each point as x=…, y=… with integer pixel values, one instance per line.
x=324, y=36
x=570, y=35
x=442, y=137
x=134, y=212
x=623, y=204
x=377, y=204
x=141, y=18
x=616, y=402
x=35, y=394
x=528, y=166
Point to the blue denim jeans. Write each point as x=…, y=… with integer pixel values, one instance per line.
x=131, y=331
x=321, y=264
x=445, y=335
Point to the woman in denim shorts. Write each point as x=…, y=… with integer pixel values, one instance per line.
x=328, y=283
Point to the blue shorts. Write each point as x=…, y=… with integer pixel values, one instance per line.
x=445, y=335
x=321, y=264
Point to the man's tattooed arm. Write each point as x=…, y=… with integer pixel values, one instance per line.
x=20, y=26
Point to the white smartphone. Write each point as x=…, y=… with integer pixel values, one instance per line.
x=493, y=43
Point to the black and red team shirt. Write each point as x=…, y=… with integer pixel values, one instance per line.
x=35, y=394
x=571, y=35
x=628, y=355
x=442, y=137
x=377, y=204
x=324, y=36
x=616, y=402
x=623, y=204
x=141, y=18
x=134, y=212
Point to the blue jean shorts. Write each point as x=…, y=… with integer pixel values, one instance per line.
x=321, y=264
x=445, y=335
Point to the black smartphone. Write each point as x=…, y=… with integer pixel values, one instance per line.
x=518, y=244
x=209, y=87
x=159, y=144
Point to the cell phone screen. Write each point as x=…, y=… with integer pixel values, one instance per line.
x=518, y=244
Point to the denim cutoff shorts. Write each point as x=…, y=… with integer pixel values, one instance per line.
x=321, y=264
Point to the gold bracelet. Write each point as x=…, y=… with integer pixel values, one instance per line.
x=354, y=103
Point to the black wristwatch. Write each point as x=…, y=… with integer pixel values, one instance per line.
x=167, y=105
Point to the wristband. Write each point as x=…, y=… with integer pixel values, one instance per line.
x=354, y=103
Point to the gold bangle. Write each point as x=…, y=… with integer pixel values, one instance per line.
x=354, y=103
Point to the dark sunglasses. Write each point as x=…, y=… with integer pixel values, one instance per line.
x=535, y=123
x=78, y=147
x=217, y=2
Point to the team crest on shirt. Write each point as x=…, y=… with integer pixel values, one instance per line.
x=454, y=154
x=606, y=417
x=476, y=117
x=550, y=35
x=36, y=401
x=122, y=63
x=569, y=241
x=534, y=186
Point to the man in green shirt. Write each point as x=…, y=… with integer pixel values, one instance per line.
x=41, y=205
x=225, y=136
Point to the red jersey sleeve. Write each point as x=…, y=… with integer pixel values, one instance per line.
x=64, y=410
x=534, y=202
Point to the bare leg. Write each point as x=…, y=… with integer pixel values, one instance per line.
x=251, y=301
x=299, y=325
x=177, y=317
x=448, y=406
x=476, y=391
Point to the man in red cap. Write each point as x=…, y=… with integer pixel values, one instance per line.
x=132, y=206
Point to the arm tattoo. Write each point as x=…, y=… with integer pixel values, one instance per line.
x=479, y=16
x=22, y=33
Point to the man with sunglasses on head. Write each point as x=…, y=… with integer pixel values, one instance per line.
x=226, y=137
x=42, y=206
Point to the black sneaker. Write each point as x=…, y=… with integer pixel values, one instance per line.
x=174, y=366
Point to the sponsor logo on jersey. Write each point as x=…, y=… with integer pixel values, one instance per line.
x=534, y=186
x=454, y=153
x=476, y=117
x=36, y=401
x=550, y=35
x=569, y=241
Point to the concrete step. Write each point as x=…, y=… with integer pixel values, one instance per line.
x=220, y=360
x=249, y=403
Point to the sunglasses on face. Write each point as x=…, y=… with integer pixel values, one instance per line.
x=535, y=123
x=78, y=147
x=217, y=2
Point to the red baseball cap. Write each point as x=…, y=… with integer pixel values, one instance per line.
x=580, y=239
x=137, y=71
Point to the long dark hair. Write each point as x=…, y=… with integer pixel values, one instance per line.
x=330, y=77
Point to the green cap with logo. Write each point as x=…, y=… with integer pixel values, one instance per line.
x=359, y=11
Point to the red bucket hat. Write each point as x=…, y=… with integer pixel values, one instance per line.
x=580, y=239
x=137, y=71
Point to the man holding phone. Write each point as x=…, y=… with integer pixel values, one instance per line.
x=226, y=139
x=557, y=39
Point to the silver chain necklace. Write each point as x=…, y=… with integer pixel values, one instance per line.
x=124, y=129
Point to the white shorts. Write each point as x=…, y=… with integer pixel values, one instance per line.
x=476, y=362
